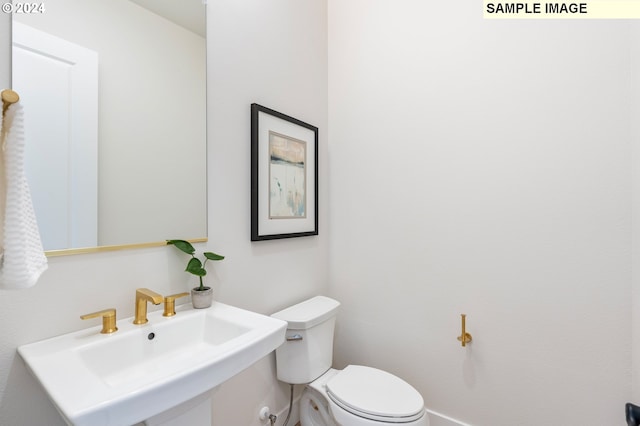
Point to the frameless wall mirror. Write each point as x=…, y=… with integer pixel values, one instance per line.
x=114, y=97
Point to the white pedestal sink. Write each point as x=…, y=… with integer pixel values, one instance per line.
x=141, y=371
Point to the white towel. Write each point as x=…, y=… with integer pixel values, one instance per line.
x=23, y=259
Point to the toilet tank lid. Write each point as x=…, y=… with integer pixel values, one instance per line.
x=309, y=313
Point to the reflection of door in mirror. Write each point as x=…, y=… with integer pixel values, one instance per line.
x=63, y=147
x=151, y=119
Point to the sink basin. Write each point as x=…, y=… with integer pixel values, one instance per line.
x=141, y=370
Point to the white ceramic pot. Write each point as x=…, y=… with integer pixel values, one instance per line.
x=201, y=299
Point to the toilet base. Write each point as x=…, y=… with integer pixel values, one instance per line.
x=314, y=410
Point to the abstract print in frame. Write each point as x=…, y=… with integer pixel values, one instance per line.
x=287, y=177
x=284, y=176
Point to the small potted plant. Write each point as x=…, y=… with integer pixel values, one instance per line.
x=202, y=296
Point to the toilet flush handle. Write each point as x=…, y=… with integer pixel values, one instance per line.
x=294, y=338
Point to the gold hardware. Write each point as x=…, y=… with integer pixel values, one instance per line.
x=170, y=304
x=144, y=295
x=8, y=97
x=464, y=337
x=69, y=252
x=108, y=320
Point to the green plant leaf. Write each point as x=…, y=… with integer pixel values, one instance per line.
x=212, y=256
x=195, y=267
x=183, y=245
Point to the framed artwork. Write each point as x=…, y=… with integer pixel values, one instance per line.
x=284, y=176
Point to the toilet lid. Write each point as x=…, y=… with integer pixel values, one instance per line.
x=375, y=394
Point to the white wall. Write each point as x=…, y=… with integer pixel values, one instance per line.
x=635, y=295
x=483, y=167
x=275, y=54
x=250, y=51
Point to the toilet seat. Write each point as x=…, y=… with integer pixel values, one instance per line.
x=375, y=394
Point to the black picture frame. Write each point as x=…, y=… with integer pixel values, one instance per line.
x=284, y=152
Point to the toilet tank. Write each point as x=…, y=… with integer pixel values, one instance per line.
x=308, y=351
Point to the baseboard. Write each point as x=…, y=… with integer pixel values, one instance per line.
x=294, y=419
x=439, y=419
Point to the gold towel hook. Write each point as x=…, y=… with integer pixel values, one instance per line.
x=465, y=337
x=8, y=97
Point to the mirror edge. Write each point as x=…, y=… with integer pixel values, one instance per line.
x=69, y=252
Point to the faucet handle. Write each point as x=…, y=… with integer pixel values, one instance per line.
x=108, y=319
x=170, y=304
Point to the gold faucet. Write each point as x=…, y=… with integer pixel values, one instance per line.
x=144, y=295
x=170, y=304
x=108, y=320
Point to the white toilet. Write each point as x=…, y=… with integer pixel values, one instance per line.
x=355, y=396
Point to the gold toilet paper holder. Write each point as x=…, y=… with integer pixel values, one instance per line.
x=465, y=337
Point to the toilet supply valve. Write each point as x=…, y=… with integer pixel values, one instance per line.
x=465, y=337
x=266, y=414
